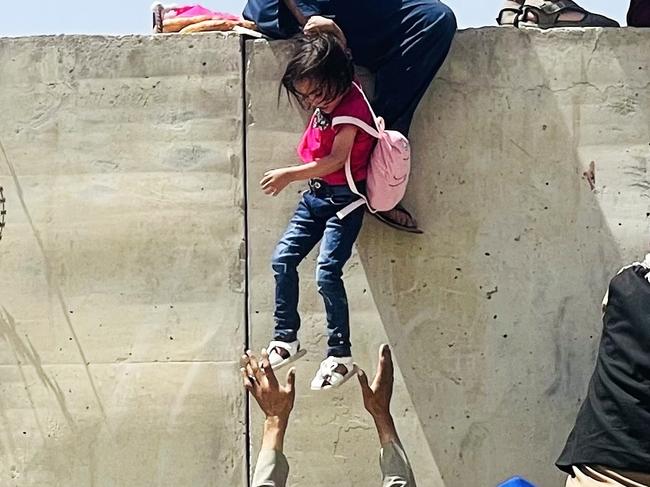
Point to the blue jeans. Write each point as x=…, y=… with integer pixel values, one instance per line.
x=315, y=219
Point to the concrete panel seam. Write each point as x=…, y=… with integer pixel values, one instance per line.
x=247, y=412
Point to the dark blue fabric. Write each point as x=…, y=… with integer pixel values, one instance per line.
x=275, y=20
x=404, y=42
x=405, y=68
x=315, y=219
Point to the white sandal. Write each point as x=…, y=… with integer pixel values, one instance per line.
x=327, y=377
x=277, y=361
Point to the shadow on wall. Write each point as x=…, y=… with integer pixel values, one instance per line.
x=121, y=302
x=494, y=313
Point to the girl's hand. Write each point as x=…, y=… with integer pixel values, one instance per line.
x=317, y=24
x=275, y=181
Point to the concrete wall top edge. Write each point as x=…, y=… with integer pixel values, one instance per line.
x=198, y=35
x=485, y=30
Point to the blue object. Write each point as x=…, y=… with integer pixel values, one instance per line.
x=404, y=42
x=315, y=220
x=516, y=482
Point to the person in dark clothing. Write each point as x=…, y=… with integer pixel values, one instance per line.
x=610, y=442
x=639, y=13
x=403, y=42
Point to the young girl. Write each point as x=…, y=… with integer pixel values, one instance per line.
x=320, y=76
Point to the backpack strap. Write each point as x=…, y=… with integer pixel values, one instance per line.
x=341, y=214
x=357, y=122
x=372, y=131
x=363, y=94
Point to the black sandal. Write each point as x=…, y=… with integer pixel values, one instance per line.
x=510, y=12
x=547, y=14
x=382, y=217
x=158, y=17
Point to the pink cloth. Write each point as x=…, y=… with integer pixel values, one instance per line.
x=318, y=139
x=196, y=10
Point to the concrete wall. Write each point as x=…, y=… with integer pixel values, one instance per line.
x=123, y=173
x=493, y=313
x=122, y=302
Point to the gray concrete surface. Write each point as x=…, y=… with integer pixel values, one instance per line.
x=122, y=275
x=494, y=313
x=504, y=301
x=123, y=272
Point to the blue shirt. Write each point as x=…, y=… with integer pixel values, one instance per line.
x=373, y=28
x=274, y=19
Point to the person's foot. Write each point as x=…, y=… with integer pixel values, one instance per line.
x=545, y=14
x=570, y=16
x=400, y=219
x=283, y=353
x=333, y=372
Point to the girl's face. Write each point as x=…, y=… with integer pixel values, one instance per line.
x=311, y=99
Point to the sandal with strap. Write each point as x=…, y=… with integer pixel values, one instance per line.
x=510, y=12
x=333, y=372
x=385, y=218
x=547, y=15
x=284, y=353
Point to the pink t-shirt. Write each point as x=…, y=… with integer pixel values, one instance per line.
x=318, y=139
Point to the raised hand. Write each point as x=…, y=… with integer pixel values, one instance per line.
x=274, y=399
x=377, y=396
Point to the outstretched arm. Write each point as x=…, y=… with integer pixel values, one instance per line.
x=275, y=180
x=395, y=467
x=276, y=401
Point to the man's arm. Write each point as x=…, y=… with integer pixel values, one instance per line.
x=395, y=467
x=298, y=11
x=276, y=401
x=308, y=15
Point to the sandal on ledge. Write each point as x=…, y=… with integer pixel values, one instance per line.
x=404, y=221
x=333, y=372
x=546, y=14
x=510, y=12
x=284, y=353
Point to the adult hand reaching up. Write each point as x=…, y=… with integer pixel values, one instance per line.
x=274, y=399
x=377, y=396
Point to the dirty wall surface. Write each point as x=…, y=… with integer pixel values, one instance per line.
x=122, y=279
x=123, y=294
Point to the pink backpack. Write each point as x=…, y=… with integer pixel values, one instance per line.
x=389, y=168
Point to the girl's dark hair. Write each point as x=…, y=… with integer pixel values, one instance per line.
x=323, y=59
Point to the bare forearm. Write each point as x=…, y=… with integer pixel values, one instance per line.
x=315, y=169
x=296, y=12
x=274, y=432
x=386, y=429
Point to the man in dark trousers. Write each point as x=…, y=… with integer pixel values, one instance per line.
x=403, y=42
x=610, y=442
